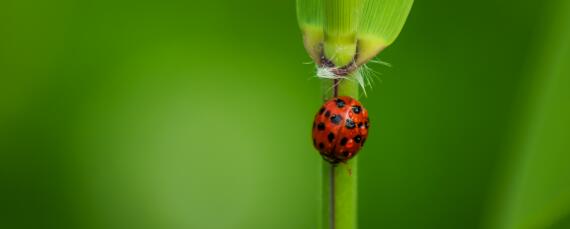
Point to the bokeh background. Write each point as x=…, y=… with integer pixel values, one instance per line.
x=196, y=114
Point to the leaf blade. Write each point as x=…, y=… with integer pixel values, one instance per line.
x=381, y=23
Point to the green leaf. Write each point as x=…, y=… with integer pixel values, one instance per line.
x=339, y=25
x=310, y=19
x=380, y=25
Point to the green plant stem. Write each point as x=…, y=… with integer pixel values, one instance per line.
x=340, y=27
x=339, y=181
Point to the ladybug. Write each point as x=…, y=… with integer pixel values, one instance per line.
x=340, y=129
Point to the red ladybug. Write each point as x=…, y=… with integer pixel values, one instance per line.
x=340, y=129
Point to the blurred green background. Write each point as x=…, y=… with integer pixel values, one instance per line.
x=196, y=114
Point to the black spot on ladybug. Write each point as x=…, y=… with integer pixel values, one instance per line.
x=339, y=103
x=360, y=125
x=314, y=142
x=321, y=110
x=356, y=109
x=345, y=153
x=330, y=137
x=321, y=145
x=321, y=126
x=363, y=140
x=349, y=124
x=343, y=141
x=327, y=114
x=357, y=138
x=366, y=125
x=336, y=119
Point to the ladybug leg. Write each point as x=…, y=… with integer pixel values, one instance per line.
x=330, y=159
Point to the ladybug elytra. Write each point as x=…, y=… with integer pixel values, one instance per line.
x=340, y=129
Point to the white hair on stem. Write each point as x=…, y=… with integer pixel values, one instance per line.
x=364, y=75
